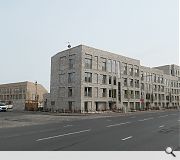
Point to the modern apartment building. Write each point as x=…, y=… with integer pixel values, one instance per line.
x=18, y=93
x=172, y=70
x=86, y=79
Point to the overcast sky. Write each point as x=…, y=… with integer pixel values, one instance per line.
x=31, y=31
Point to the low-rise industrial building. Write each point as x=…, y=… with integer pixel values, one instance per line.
x=20, y=93
x=85, y=79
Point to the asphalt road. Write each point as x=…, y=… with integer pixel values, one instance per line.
x=132, y=132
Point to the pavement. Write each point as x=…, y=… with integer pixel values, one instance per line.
x=138, y=131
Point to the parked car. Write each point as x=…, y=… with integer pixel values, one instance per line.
x=9, y=106
x=3, y=107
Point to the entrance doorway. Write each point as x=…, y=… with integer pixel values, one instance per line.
x=86, y=106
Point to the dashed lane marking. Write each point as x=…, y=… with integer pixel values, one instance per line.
x=161, y=126
x=146, y=119
x=68, y=125
x=118, y=124
x=163, y=116
x=173, y=114
x=126, y=138
x=109, y=120
x=62, y=135
x=133, y=117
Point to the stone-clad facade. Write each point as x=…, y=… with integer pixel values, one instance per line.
x=86, y=79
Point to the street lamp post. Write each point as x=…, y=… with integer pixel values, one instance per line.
x=170, y=99
x=36, y=91
x=36, y=96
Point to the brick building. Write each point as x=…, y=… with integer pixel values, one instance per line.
x=18, y=93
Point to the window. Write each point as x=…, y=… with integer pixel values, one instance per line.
x=171, y=84
x=148, y=96
x=52, y=103
x=103, y=92
x=110, y=79
x=110, y=93
x=162, y=80
x=171, y=72
x=109, y=65
x=118, y=69
x=149, y=76
x=24, y=96
x=95, y=77
x=155, y=87
x=126, y=94
x=131, y=83
x=114, y=93
x=70, y=106
x=155, y=78
x=69, y=91
x=104, y=79
x=136, y=71
x=162, y=88
x=136, y=83
x=158, y=79
x=62, y=63
x=86, y=106
x=103, y=64
x=137, y=105
x=142, y=76
x=88, y=77
x=132, y=94
x=162, y=96
x=88, y=91
x=62, y=79
x=71, y=77
x=125, y=81
x=159, y=88
x=159, y=96
x=88, y=63
x=71, y=61
x=124, y=68
x=119, y=91
x=96, y=62
x=137, y=95
x=142, y=86
x=114, y=80
x=131, y=70
x=114, y=66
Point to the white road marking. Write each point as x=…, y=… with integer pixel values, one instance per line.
x=126, y=138
x=118, y=124
x=161, y=126
x=133, y=117
x=146, y=119
x=179, y=120
x=62, y=135
x=173, y=114
x=68, y=125
x=163, y=116
x=109, y=120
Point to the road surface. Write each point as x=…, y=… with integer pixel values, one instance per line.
x=148, y=131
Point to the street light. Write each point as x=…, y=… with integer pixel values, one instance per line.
x=36, y=91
